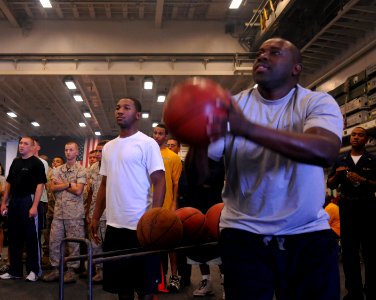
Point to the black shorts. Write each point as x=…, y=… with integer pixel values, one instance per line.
x=141, y=274
x=295, y=267
x=3, y=222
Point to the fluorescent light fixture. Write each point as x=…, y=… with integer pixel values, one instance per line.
x=11, y=114
x=145, y=115
x=154, y=124
x=87, y=114
x=148, y=83
x=70, y=84
x=161, y=98
x=36, y=124
x=78, y=97
x=46, y=3
x=82, y=124
x=97, y=133
x=235, y=4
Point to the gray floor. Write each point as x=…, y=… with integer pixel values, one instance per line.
x=21, y=290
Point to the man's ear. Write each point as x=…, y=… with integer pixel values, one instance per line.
x=138, y=115
x=297, y=69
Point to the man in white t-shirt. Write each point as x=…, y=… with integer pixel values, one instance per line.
x=276, y=139
x=131, y=165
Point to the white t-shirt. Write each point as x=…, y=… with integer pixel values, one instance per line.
x=265, y=192
x=128, y=163
x=44, y=198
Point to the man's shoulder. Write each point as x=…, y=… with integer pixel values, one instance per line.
x=304, y=93
x=370, y=156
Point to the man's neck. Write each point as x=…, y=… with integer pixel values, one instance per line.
x=70, y=163
x=357, y=152
x=126, y=132
x=26, y=156
x=275, y=93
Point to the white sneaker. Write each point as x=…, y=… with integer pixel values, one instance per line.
x=204, y=289
x=7, y=276
x=32, y=277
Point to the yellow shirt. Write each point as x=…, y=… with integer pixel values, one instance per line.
x=333, y=212
x=173, y=167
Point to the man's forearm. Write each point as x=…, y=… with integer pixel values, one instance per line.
x=100, y=203
x=38, y=194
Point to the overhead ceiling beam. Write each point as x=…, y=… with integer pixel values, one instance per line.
x=159, y=13
x=8, y=14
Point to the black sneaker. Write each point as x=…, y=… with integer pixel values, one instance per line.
x=174, y=285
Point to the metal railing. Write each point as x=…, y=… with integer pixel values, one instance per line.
x=108, y=256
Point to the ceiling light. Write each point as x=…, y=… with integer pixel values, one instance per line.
x=46, y=3
x=36, y=124
x=161, y=98
x=78, y=97
x=87, y=115
x=148, y=83
x=154, y=124
x=235, y=4
x=70, y=84
x=11, y=114
x=82, y=124
x=145, y=115
x=97, y=133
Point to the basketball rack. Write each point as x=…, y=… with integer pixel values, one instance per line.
x=108, y=256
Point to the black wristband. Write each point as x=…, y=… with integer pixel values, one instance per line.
x=69, y=185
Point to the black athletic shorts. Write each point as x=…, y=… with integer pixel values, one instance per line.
x=141, y=274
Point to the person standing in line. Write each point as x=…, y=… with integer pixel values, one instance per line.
x=57, y=161
x=44, y=204
x=131, y=165
x=24, y=188
x=354, y=174
x=92, y=157
x=94, y=181
x=184, y=269
x=277, y=137
x=68, y=183
x=173, y=167
x=2, y=218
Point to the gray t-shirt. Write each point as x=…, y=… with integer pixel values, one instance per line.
x=265, y=192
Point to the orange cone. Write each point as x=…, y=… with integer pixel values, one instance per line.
x=162, y=286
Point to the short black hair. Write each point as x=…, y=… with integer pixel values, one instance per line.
x=62, y=158
x=137, y=104
x=102, y=143
x=161, y=125
x=175, y=139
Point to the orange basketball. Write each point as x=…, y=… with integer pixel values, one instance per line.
x=193, y=221
x=189, y=106
x=159, y=228
x=212, y=220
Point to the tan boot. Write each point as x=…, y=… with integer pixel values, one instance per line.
x=98, y=277
x=52, y=276
x=69, y=276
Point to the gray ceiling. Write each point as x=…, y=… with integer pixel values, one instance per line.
x=325, y=33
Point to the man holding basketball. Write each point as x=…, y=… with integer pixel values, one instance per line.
x=131, y=163
x=275, y=236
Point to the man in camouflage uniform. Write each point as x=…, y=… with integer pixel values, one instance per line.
x=68, y=183
x=56, y=162
x=94, y=181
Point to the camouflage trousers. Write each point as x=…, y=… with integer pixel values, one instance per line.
x=98, y=248
x=60, y=228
